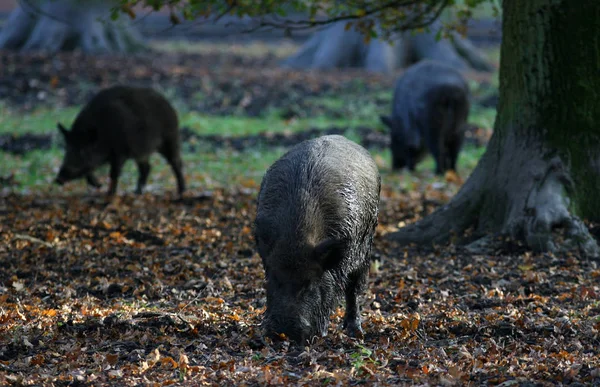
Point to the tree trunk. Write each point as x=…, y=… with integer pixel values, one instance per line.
x=541, y=172
x=53, y=25
x=336, y=47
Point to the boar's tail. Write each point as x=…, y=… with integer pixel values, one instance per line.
x=448, y=116
x=452, y=102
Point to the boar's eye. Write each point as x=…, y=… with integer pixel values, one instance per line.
x=327, y=253
x=291, y=283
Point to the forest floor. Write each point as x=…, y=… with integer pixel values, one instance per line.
x=154, y=291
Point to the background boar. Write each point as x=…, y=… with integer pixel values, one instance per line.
x=429, y=112
x=118, y=124
x=316, y=218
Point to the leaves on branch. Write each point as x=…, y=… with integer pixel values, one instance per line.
x=373, y=18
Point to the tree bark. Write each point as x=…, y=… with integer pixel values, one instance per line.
x=540, y=174
x=54, y=25
x=336, y=47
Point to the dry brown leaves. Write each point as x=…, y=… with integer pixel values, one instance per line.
x=150, y=291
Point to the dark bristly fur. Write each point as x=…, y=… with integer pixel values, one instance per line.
x=429, y=112
x=316, y=218
x=121, y=123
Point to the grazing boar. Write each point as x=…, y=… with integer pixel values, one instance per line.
x=316, y=218
x=121, y=123
x=429, y=112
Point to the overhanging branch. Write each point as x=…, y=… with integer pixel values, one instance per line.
x=419, y=19
x=418, y=15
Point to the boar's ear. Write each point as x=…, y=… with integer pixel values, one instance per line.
x=386, y=120
x=264, y=234
x=328, y=252
x=62, y=129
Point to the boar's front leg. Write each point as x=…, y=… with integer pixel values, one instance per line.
x=352, y=321
x=439, y=155
x=91, y=180
x=144, y=171
x=398, y=153
x=171, y=153
x=116, y=164
x=454, y=146
x=177, y=166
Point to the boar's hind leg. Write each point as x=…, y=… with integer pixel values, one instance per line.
x=439, y=155
x=398, y=161
x=352, y=321
x=398, y=156
x=144, y=171
x=116, y=164
x=91, y=180
x=171, y=154
x=453, y=150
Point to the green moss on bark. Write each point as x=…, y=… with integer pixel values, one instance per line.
x=550, y=87
x=572, y=115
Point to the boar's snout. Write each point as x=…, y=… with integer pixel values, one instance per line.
x=63, y=176
x=68, y=173
x=297, y=329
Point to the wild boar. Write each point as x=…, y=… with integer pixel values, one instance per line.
x=121, y=123
x=315, y=223
x=429, y=112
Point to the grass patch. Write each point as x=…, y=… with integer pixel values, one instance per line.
x=366, y=107
x=208, y=168
x=39, y=121
x=424, y=172
x=280, y=49
x=273, y=123
x=483, y=117
x=36, y=170
x=204, y=168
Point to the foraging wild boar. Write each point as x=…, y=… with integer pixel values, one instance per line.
x=429, y=112
x=316, y=218
x=121, y=123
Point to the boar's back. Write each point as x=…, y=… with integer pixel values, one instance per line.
x=325, y=187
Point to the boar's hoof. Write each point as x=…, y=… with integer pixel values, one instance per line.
x=92, y=181
x=353, y=328
x=95, y=184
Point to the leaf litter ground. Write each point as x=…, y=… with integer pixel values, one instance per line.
x=148, y=290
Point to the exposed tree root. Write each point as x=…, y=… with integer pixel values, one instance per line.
x=16, y=28
x=546, y=210
x=474, y=57
x=336, y=47
x=447, y=221
x=532, y=205
x=67, y=25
